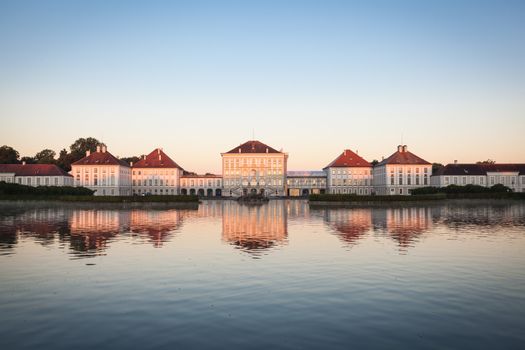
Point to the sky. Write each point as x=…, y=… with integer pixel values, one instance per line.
x=198, y=78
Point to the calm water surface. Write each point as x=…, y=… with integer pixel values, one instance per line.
x=280, y=275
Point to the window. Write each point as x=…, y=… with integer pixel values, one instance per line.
x=56, y=181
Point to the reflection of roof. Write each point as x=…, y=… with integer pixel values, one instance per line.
x=33, y=170
x=402, y=156
x=156, y=159
x=306, y=173
x=479, y=169
x=101, y=158
x=253, y=147
x=348, y=159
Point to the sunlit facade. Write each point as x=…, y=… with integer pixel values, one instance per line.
x=400, y=173
x=304, y=183
x=207, y=185
x=156, y=174
x=103, y=173
x=349, y=174
x=254, y=168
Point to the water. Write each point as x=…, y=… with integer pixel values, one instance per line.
x=280, y=275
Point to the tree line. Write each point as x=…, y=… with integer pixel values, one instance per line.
x=64, y=159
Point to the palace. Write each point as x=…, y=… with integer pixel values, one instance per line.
x=103, y=173
x=349, y=173
x=254, y=167
x=400, y=173
x=156, y=174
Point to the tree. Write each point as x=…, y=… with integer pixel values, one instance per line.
x=129, y=160
x=436, y=167
x=8, y=155
x=64, y=160
x=28, y=160
x=46, y=156
x=79, y=147
x=488, y=161
x=374, y=162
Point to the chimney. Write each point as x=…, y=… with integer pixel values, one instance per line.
x=399, y=148
x=356, y=151
x=240, y=150
x=23, y=162
x=266, y=149
x=98, y=148
x=131, y=164
x=404, y=148
x=88, y=152
x=455, y=161
x=103, y=148
x=158, y=151
x=344, y=152
x=382, y=157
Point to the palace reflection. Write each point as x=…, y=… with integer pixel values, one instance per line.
x=349, y=224
x=255, y=228
x=157, y=225
x=404, y=225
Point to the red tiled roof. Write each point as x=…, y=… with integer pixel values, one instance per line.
x=253, y=147
x=348, y=159
x=402, y=156
x=33, y=170
x=156, y=159
x=101, y=158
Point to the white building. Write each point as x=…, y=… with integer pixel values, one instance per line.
x=400, y=173
x=156, y=174
x=102, y=172
x=207, y=185
x=349, y=174
x=486, y=175
x=304, y=183
x=35, y=175
x=254, y=167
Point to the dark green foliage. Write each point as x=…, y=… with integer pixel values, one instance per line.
x=356, y=198
x=454, y=189
x=8, y=155
x=46, y=156
x=130, y=160
x=436, y=167
x=28, y=160
x=12, y=189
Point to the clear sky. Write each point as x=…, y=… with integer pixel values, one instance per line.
x=312, y=77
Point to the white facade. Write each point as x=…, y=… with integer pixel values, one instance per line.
x=399, y=179
x=156, y=174
x=400, y=173
x=101, y=172
x=156, y=181
x=349, y=180
x=304, y=183
x=208, y=185
x=486, y=175
x=35, y=175
x=254, y=168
